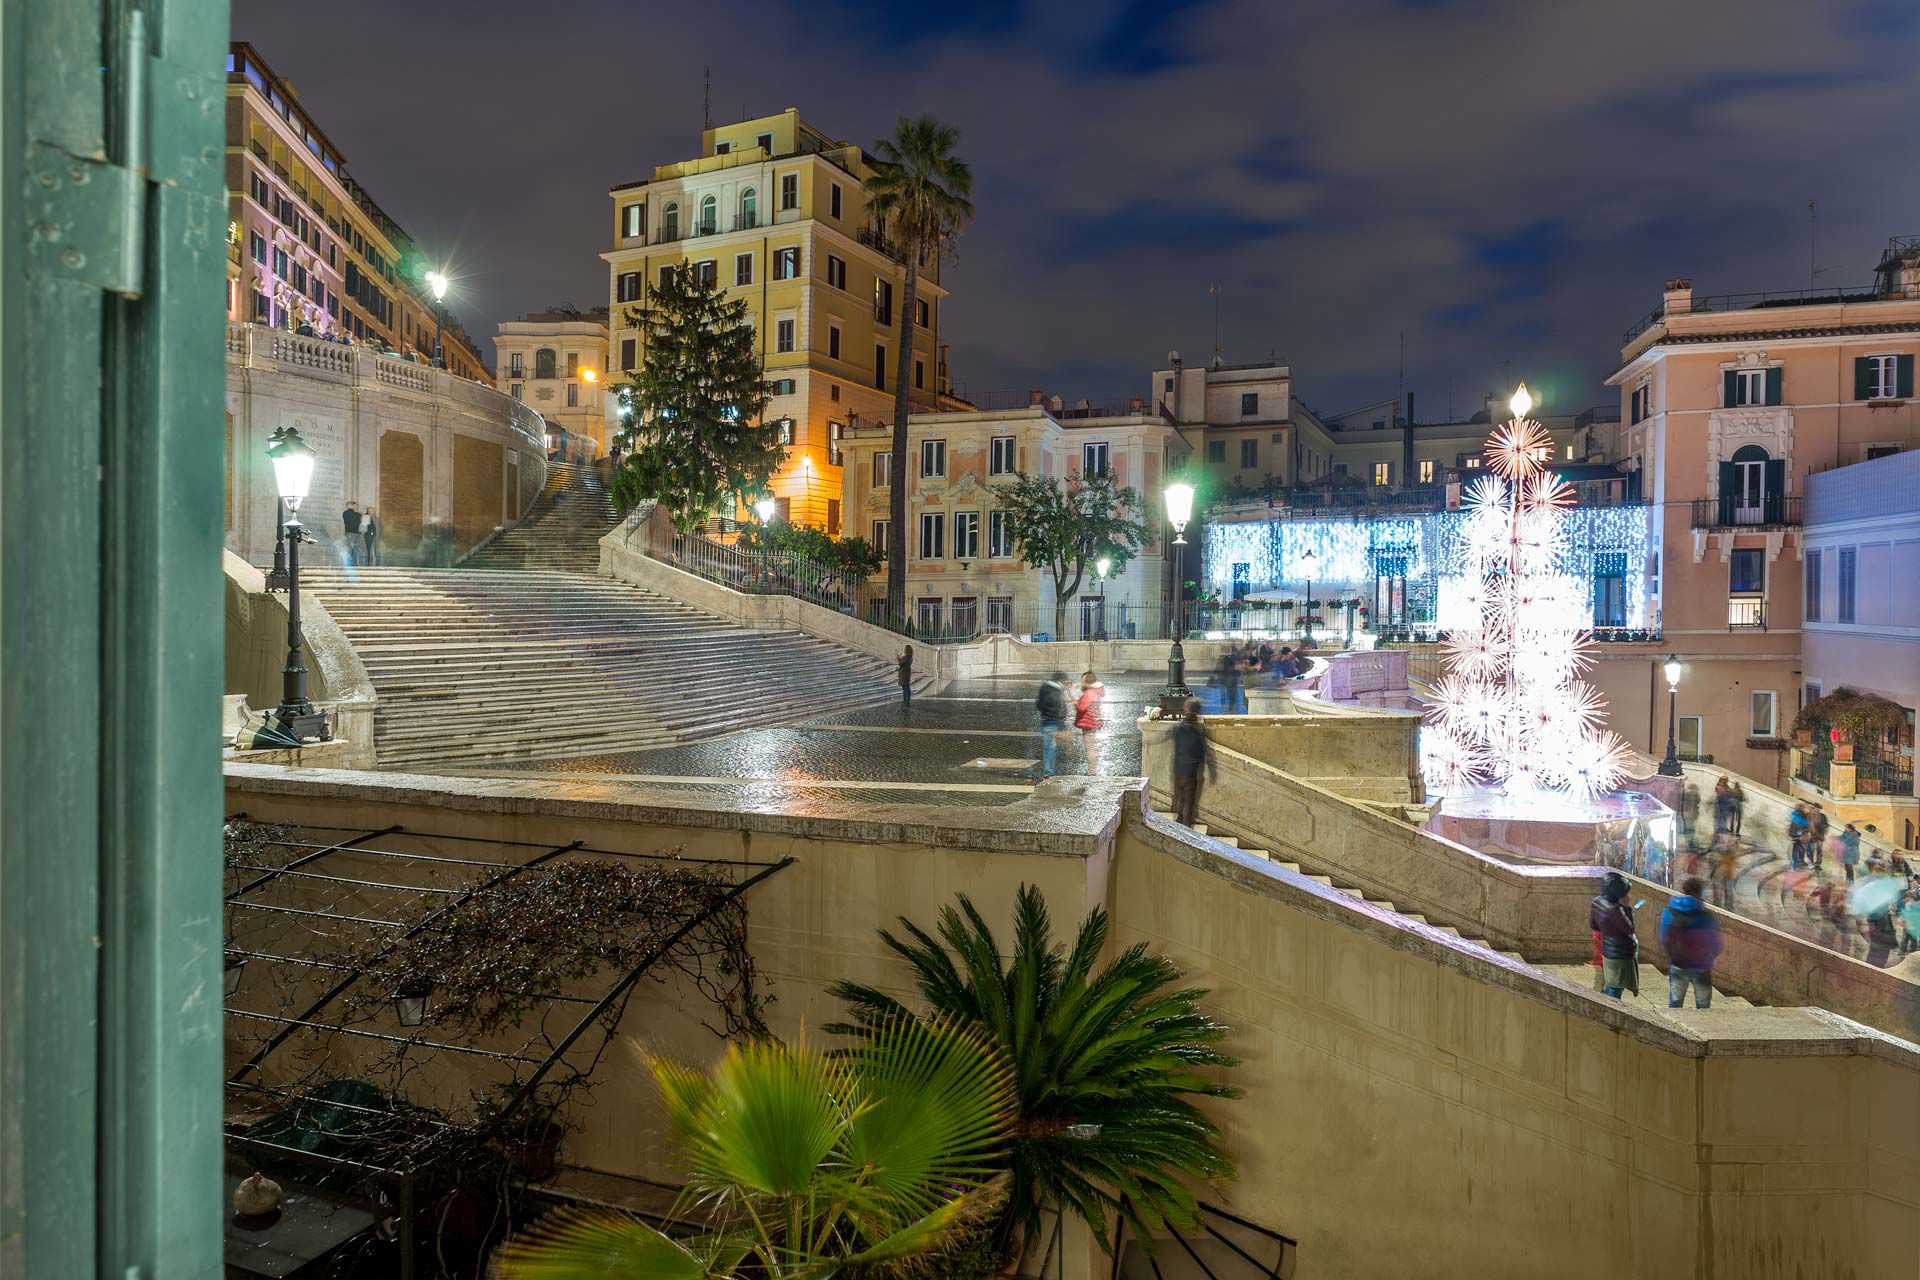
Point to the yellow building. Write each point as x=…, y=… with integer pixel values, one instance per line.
x=775, y=211
x=556, y=361
x=306, y=244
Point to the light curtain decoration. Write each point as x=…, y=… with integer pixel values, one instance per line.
x=1512, y=712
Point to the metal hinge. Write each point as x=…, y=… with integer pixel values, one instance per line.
x=86, y=219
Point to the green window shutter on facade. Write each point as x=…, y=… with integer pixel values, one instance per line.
x=1729, y=389
x=1774, y=387
x=1862, y=377
x=1903, y=376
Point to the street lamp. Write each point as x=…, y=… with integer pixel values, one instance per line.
x=1307, y=562
x=1101, y=568
x=764, y=508
x=292, y=474
x=277, y=576
x=412, y=1000
x=589, y=375
x=1670, y=767
x=1179, y=500
x=437, y=282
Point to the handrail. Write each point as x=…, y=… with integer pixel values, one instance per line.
x=761, y=572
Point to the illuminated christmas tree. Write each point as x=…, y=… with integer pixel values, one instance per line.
x=1512, y=713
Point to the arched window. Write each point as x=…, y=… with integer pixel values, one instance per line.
x=709, y=215
x=1752, y=487
x=543, y=363
x=749, y=209
x=670, y=222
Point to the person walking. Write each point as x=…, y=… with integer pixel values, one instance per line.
x=1910, y=922
x=1726, y=867
x=1817, y=836
x=1691, y=938
x=1739, y=805
x=1850, y=850
x=1227, y=675
x=370, y=535
x=1798, y=824
x=1611, y=920
x=1086, y=717
x=1051, y=703
x=350, y=530
x=1690, y=814
x=1722, y=806
x=906, y=678
x=1192, y=751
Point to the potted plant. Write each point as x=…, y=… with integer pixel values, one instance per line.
x=529, y=1139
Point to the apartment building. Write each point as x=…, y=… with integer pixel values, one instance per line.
x=775, y=211
x=307, y=245
x=1250, y=432
x=556, y=361
x=964, y=573
x=1729, y=405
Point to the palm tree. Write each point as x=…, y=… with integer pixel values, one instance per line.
x=923, y=192
x=1106, y=1063
x=806, y=1163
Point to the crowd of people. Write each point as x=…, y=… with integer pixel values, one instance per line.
x=1242, y=664
x=1065, y=709
x=360, y=535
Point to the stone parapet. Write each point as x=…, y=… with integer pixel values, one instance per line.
x=337, y=681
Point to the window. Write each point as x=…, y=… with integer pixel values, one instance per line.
x=1810, y=692
x=545, y=363
x=922, y=313
x=670, y=222
x=1760, y=718
x=933, y=536
x=927, y=615
x=1093, y=458
x=1216, y=451
x=280, y=263
x=933, y=459
x=1383, y=473
x=629, y=353
x=1249, y=453
x=1000, y=614
x=707, y=271
x=882, y=469
x=1883, y=377
x=633, y=219
x=518, y=388
x=1880, y=451
x=879, y=366
x=966, y=535
x=836, y=271
x=666, y=276
x=833, y=517
x=1845, y=611
x=573, y=395
x=749, y=210
x=709, y=215
x=780, y=387
x=258, y=243
x=1610, y=589
x=835, y=432
x=1249, y=404
x=626, y=286
x=783, y=336
x=1426, y=471
x=1166, y=386
x=786, y=263
x=785, y=427
x=573, y=364
x=833, y=201
x=879, y=538
x=516, y=367
x=1000, y=456
x=999, y=534
x=919, y=375
x=883, y=301
x=1692, y=744
x=1746, y=572
x=833, y=343
x=722, y=148
x=789, y=191
x=764, y=141
x=742, y=268
x=1813, y=586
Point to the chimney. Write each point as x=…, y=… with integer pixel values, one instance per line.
x=1406, y=444
x=1679, y=297
x=1035, y=397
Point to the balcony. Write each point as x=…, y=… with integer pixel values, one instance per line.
x=874, y=240
x=1746, y=613
x=1775, y=511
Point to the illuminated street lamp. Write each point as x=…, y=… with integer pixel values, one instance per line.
x=764, y=508
x=1179, y=501
x=292, y=475
x=437, y=282
x=412, y=1000
x=589, y=375
x=1101, y=568
x=1672, y=667
x=1307, y=561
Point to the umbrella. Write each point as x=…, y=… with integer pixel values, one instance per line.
x=1874, y=894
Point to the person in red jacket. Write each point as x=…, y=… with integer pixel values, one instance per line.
x=1086, y=715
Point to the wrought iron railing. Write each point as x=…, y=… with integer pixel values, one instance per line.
x=762, y=572
x=1776, y=511
x=1746, y=614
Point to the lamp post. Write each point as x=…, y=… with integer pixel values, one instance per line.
x=1670, y=767
x=1307, y=561
x=1173, y=699
x=1101, y=568
x=292, y=473
x=437, y=282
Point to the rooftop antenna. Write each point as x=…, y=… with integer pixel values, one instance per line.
x=1214, y=289
x=706, y=100
x=1400, y=393
x=1814, y=269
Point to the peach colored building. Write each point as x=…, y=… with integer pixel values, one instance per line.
x=963, y=571
x=1728, y=405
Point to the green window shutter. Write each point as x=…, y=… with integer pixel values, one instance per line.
x=1862, y=377
x=1726, y=493
x=1903, y=376
x=1729, y=389
x=1774, y=384
x=1776, y=492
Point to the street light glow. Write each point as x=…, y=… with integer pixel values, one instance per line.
x=765, y=508
x=437, y=282
x=589, y=375
x=1521, y=402
x=1673, y=667
x=1179, y=499
x=292, y=467
x=1102, y=565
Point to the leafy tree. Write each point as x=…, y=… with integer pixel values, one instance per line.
x=1106, y=1063
x=1064, y=526
x=808, y=1163
x=694, y=436
x=924, y=192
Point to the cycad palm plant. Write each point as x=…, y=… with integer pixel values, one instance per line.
x=924, y=192
x=1107, y=1063
x=807, y=1163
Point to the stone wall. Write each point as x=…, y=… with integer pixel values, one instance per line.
x=417, y=444
x=1364, y=757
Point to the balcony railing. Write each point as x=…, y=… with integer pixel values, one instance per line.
x=882, y=314
x=1756, y=302
x=1775, y=511
x=1744, y=614
x=874, y=240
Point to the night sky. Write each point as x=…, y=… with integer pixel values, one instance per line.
x=1507, y=183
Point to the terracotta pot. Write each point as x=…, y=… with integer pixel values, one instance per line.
x=1803, y=738
x=1843, y=753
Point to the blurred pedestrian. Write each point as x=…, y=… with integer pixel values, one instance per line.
x=906, y=677
x=1850, y=850
x=1880, y=936
x=1051, y=704
x=1690, y=813
x=1691, y=938
x=1228, y=676
x=1086, y=717
x=1192, y=750
x=1722, y=805
x=1817, y=835
x=1798, y=825
x=1910, y=921
x=1726, y=867
x=350, y=532
x=1611, y=920
x=1739, y=805
x=370, y=534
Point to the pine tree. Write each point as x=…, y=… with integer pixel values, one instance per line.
x=692, y=435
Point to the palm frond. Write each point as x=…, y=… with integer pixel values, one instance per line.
x=598, y=1244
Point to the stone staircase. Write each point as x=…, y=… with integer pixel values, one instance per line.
x=1653, y=981
x=493, y=664
x=560, y=531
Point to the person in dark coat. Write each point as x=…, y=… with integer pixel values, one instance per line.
x=1051, y=705
x=370, y=535
x=1692, y=940
x=1611, y=920
x=1192, y=751
x=906, y=677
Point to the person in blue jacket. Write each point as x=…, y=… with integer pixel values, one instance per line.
x=1691, y=938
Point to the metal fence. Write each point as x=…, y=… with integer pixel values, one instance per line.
x=759, y=572
x=1092, y=618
